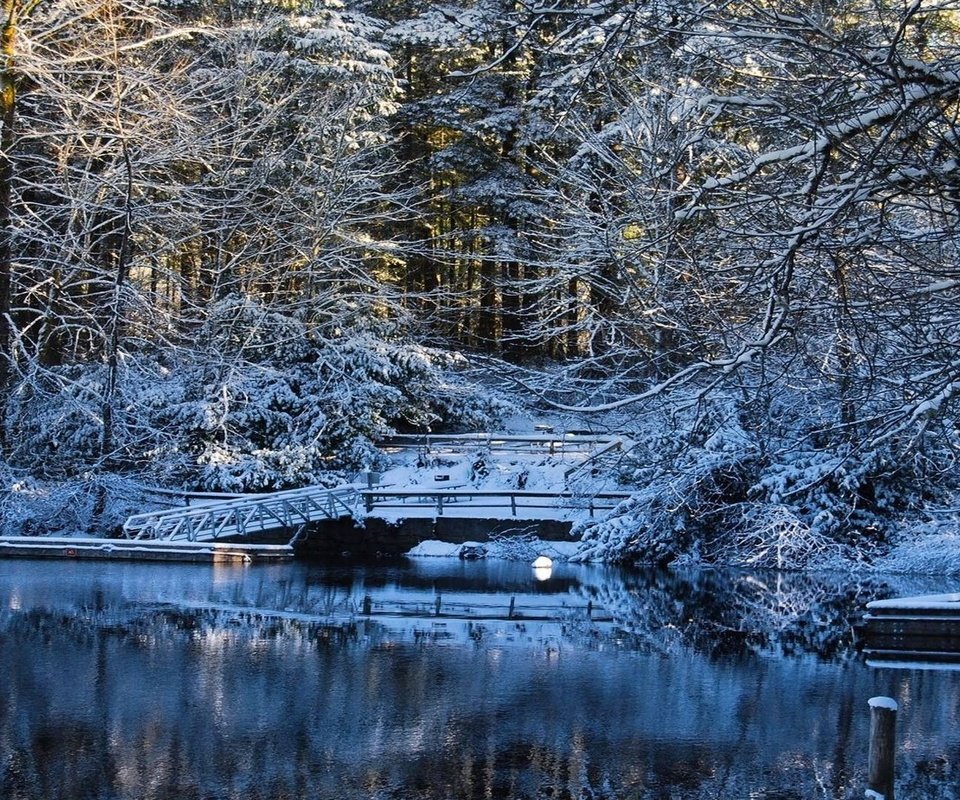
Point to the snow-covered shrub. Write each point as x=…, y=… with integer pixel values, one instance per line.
x=277, y=417
x=260, y=400
x=929, y=547
x=838, y=492
x=691, y=472
x=84, y=504
x=774, y=537
x=769, y=487
x=55, y=420
x=11, y=502
x=667, y=518
x=271, y=425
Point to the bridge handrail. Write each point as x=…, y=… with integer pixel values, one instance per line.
x=463, y=493
x=432, y=498
x=249, y=499
x=339, y=495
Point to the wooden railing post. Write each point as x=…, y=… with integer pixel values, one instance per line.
x=883, y=724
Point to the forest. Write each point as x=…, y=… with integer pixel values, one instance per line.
x=241, y=240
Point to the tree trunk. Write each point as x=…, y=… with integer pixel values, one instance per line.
x=8, y=107
x=122, y=261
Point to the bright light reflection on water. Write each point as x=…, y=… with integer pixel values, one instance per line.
x=464, y=680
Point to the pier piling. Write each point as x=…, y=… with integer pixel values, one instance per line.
x=883, y=722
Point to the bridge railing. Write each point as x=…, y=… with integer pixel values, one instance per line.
x=178, y=498
x=437, y=501
x=249, y=514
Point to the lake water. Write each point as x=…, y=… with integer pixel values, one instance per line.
x=440, y=679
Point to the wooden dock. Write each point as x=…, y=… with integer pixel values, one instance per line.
x=913, y=632
x=70, y=547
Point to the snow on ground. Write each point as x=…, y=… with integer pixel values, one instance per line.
x=516, y=471
x=931, y=549
x=502, y=466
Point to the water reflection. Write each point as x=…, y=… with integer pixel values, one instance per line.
x=138, y=681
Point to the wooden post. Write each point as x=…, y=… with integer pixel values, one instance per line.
x=367, y=605
x=436, y=606
x=883, y=724
x=513, y=504
x=369, y=502
x=510, y=611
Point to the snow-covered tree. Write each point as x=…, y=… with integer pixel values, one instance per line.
x=212, y=223
x=814, y=224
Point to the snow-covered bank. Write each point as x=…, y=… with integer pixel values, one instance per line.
x=930, y=548
x=711, y=505
x=525, y=549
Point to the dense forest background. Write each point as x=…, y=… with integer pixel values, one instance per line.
x=241, y=240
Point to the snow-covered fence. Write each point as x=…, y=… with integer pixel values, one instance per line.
x=460, y=442
x=277, y=511
x=592, y=461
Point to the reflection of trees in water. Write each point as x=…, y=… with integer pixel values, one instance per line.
x=716, y=613
x=210, y=704
x=120, y=700
x=735, y=613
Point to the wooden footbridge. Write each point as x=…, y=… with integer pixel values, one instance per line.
x=290, y=512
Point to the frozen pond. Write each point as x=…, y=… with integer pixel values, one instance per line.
x=440, y=679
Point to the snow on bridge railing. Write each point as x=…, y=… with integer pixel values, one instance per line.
x=248, y=514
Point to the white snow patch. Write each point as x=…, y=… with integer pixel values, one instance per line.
x=883, y=702
x=887, y=663
x=940, y=602
x=506, y=550
x=930, y=549
x=434, y=548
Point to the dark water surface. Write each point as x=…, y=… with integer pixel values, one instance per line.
x=142, y=681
